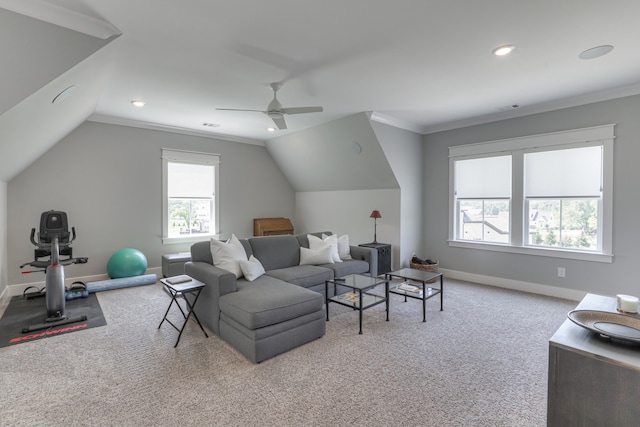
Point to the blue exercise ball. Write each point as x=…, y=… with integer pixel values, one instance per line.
x=127, y=262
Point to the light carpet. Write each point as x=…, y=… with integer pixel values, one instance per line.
x=480, y=362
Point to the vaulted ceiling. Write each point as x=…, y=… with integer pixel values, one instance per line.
x=421, y=65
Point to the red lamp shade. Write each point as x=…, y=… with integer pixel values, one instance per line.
x=375, y=214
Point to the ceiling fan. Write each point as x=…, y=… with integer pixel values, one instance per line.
x=276, y=112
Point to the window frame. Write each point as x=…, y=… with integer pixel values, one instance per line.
x=492, y=195
x=597, y=135
x=195, y=158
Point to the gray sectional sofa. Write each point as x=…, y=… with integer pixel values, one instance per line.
x=279, y=310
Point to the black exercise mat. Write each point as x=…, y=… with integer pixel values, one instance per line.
x=26, y=312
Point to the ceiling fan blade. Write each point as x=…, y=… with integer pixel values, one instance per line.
x=240, y=109
x=302, y=110
x=279, y=121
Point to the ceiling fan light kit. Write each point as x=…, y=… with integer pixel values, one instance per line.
x=276, y=112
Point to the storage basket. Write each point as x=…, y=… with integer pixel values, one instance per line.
x=426, y=267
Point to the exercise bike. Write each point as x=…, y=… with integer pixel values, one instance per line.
x=54, y=240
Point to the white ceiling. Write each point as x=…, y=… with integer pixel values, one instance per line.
x=425, y=65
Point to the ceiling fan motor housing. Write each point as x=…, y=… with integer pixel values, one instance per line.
x=274, y=105
x=276, y=112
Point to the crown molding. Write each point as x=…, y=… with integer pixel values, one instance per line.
x=387, y=120
x=545, y=107
x=100, y=118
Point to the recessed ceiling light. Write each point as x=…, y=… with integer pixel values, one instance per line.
x=271, y=129
x=503, y=50
x=596, y=52
x=138, y=103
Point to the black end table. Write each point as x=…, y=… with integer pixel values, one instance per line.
x=384, y=256
x=423, y=293
x=179, y=286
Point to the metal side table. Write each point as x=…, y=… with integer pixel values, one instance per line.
x=180, y=286
x=421, y=293
x=359, y=299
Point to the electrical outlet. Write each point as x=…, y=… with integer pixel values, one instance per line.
x=562, y=272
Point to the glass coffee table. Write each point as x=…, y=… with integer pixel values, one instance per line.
x=359, y=299
x=420, y=290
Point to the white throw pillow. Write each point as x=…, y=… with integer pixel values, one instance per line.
x=227, y=255
x=251, y=268
x=317, y=256
x=316, y=243
x=344, y=250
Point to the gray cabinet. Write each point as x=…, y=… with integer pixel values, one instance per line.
x=592, y=381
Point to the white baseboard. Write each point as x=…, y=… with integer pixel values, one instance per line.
x=517, y=285
x=4, y=299
x=499, y=282
x=18, y=289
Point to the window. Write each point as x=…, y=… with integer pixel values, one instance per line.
x=563, y=200
x=545, y=194
x=190, y=183
x=483, y=190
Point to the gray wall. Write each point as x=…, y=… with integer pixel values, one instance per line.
x=347, y=212
x=403, y=150
x=3, y=239
x=336, y=186
x=620, y=276
x=385, y=175
x=34, y=71
x=32, y=54
x=322, y=158
x=108, y=180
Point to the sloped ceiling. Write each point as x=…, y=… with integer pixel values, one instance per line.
x=34, y=71
x=341, y=155
x=425, y=66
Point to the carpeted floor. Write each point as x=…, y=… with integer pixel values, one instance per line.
x=480, y=362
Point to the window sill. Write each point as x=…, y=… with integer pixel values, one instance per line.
x=188, y=239
x=553, y=253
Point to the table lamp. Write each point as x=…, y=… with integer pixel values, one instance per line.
x=375, y=215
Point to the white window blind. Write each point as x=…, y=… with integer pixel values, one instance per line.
x=574, y=172
x=190, y=181
x=483, y=178
x=557, y=180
